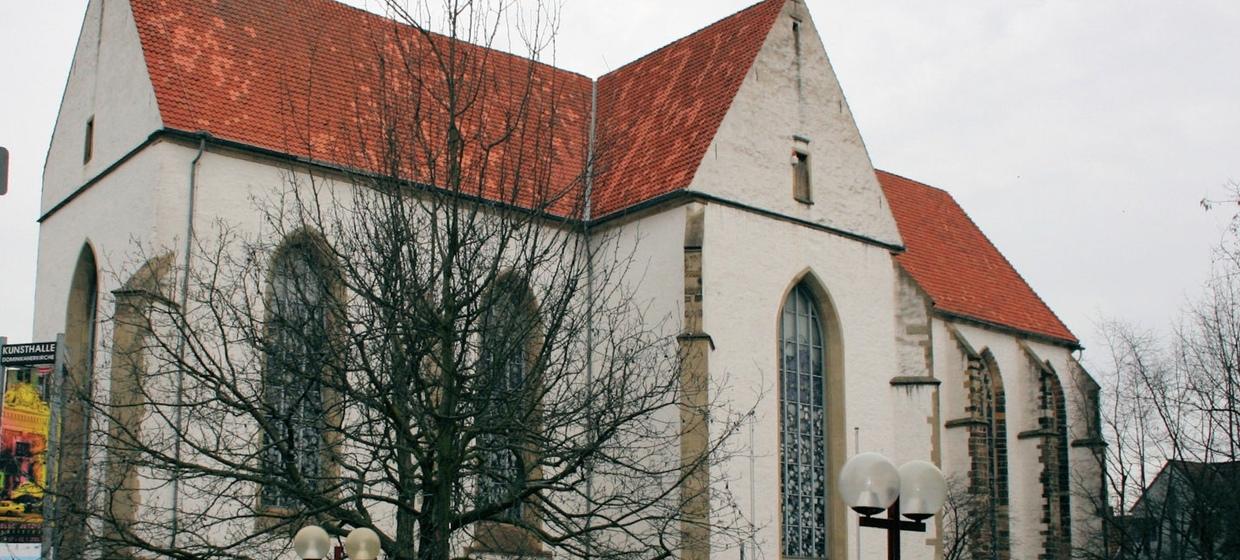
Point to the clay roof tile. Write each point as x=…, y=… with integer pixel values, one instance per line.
x=957, y=265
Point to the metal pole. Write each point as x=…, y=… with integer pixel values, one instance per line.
x=857, y=451
x=893, y=531
x=51, y=466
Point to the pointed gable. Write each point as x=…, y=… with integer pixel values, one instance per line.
x=658, y=114
x=959, y=268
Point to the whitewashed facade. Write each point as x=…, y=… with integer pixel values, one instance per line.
x=896, y=366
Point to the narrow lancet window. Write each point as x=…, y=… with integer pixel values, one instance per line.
x=292, y=387
x=802, y=454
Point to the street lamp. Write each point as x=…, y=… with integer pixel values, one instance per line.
x=313, y=543
x=869, y=483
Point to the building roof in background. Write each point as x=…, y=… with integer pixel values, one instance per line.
x=958, y=267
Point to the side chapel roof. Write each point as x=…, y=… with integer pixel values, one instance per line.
x=957, y=265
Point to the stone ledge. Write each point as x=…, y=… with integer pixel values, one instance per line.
x=1093, y=442
x=689, y=337
x=964, y=422
x=914, y=380
x=1040, y=432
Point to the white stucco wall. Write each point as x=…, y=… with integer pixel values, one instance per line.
x=750, y=264
x=1021, y=388
x=750, y=261
x=107, y=80
x=749, y=160
x=114, y=216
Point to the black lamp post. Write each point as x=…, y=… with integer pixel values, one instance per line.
x=313, y=543
x=869, y=484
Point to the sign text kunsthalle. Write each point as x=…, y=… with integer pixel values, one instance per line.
x=24, y=355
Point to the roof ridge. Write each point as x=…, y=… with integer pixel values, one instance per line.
x=684, y=38
x=911, y=180
x=384, y=18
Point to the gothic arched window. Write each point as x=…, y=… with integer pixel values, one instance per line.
x=1056, y=478
x=988, y=452
x=802, y=453
x=508, y=330
x=296, y=352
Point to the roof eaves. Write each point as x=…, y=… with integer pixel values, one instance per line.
x=1073, y=344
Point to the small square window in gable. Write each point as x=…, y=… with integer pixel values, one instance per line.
x=89, y=145
x=802, y=190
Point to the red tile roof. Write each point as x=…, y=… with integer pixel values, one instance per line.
x=302, y=77
x=958, y=267
x=658, y=115
x=312, y=78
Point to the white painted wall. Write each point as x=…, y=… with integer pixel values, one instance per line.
x=749, y=160
x=107, y=80
x=750, y=264
x=1020, y=382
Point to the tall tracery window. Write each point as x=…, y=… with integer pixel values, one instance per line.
x=989, y=459
x=802, y=453
x=507, y=331
x=1056, y=473
x=296, y=351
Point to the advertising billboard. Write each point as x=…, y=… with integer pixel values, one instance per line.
x=25, y=418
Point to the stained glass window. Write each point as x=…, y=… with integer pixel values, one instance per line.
x=297, y=331
x=502, y=471
x=802, y=454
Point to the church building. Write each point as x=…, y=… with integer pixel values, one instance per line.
x=852, y=309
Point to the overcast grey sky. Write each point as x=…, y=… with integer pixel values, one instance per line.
x=1080, y=136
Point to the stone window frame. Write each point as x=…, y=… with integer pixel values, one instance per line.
x=317, y=253
x=72, y=463
x=836, y=521
x=985, y=419
x=1055, y=478
x=510, y=535
x=802, y=177
x=131, y=325
x=88, y=140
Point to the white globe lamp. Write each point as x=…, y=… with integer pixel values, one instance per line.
x=869, y=483
x=362, y=544
x=923, y=490
x=311, y=543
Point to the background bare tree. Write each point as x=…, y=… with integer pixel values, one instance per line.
x=427, y=340
x=1172, y=422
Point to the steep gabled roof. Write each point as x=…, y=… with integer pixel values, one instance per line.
x=959, y=268
x=658, y=114
x=319, y=80
x=302, y=78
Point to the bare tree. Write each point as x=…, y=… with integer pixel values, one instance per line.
x=1172, y=422
x=428, y=340
x=964, y=521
